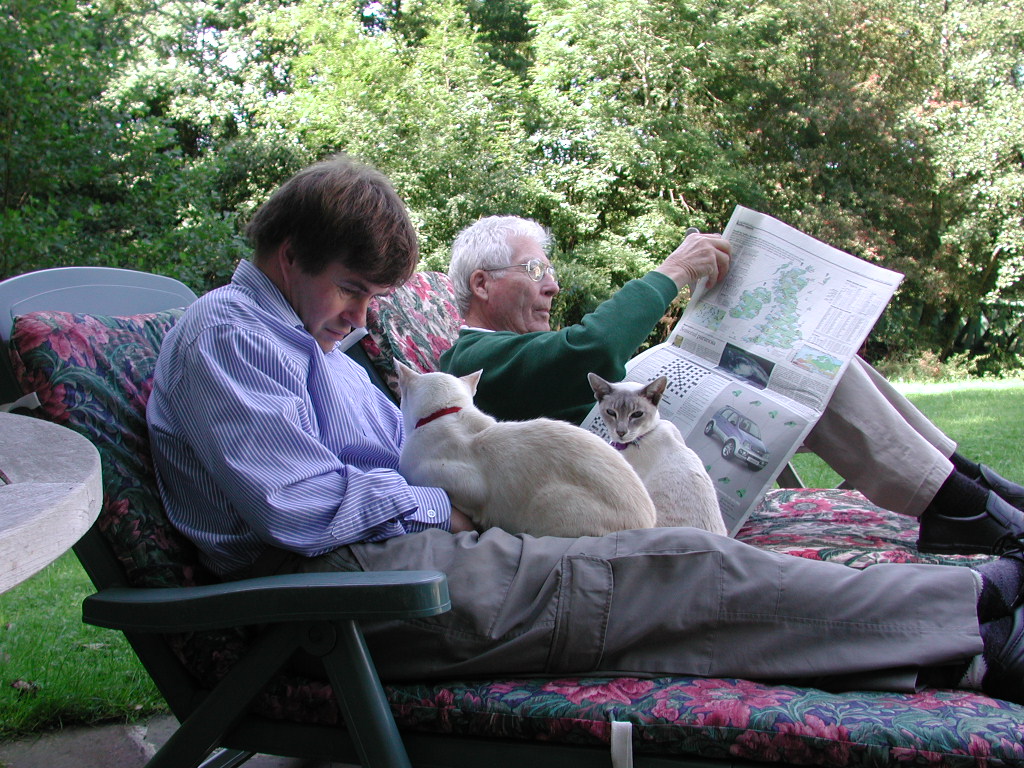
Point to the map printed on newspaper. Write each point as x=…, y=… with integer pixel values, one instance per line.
x=753, y=361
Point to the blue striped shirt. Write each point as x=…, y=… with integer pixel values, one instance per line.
x=260, y=438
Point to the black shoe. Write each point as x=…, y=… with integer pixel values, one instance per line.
x=1008, y=491
x=1004, y=675
x=975, y=535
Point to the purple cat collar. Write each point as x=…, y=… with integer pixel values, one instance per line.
x=624, y=446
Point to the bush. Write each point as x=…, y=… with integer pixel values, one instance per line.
x=927, y=367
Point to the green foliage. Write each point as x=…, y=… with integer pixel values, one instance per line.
x=144, y=135
x=90, y=174
x=50, y=126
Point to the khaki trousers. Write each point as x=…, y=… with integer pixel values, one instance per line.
x=666, y=601
x=880, y=443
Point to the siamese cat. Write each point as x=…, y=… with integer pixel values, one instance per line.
x=672, y=473
x=541, y=477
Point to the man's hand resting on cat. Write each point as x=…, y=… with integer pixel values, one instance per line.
x=698, y=256
x=460, y=521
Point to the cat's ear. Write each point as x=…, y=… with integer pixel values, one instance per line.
x=601, y=387
x=655, y=389
x=472, y=379
x=405, y=373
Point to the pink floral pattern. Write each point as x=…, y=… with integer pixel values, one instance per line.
x=727, y=718
x=415, y=325
x=840, y=526
x=95, y=374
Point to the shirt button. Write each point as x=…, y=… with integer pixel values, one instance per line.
x=431, y=513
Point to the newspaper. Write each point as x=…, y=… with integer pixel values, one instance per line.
x=753, y=361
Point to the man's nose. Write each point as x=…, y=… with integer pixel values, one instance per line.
x=355, y=313
x=550, y=286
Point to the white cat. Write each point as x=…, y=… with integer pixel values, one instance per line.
x=541, y=477
x=673, y=474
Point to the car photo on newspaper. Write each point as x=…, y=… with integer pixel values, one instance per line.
x=740, y=437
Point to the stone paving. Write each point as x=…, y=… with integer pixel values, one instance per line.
x=113, y=746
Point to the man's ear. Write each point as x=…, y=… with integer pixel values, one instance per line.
x=279, y=265
x=478, y=284
x=284, y=253
x=282, y=259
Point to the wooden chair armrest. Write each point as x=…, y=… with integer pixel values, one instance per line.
x=272, y=599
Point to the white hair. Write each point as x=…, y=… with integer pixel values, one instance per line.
x=485, y=245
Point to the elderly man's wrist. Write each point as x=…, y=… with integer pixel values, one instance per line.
x=679, y=276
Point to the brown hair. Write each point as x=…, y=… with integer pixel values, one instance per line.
x=339, y=210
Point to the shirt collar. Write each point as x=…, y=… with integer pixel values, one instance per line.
x=267, y=296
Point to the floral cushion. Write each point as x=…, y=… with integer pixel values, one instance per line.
x=415, y=325
x=840, y=526
x=729, y=718
x=94, y=374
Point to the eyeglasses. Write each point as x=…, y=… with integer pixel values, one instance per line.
x=535, y=269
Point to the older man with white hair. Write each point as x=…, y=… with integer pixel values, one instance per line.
x=869, y=433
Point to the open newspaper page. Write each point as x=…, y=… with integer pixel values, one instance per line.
x=753, y=361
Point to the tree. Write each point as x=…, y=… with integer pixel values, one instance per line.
x=90, y=176
x=975, y=117
x=56, y=58
x=144, y=135
x=438, y=116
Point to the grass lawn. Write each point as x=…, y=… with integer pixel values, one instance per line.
x=55, y=670
x=985, y=418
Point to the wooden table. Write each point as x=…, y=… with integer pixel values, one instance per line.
x=50, y=493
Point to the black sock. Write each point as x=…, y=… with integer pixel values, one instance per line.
x=946, y=676
x=959, y=496
x=1002, y=587
x=965, y=466
x=994, y=635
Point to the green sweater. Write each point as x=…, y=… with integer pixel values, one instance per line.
x=544, y=373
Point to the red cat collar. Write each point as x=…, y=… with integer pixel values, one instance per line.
x=437, y=415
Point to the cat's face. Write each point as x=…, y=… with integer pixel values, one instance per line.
x=628, y=409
